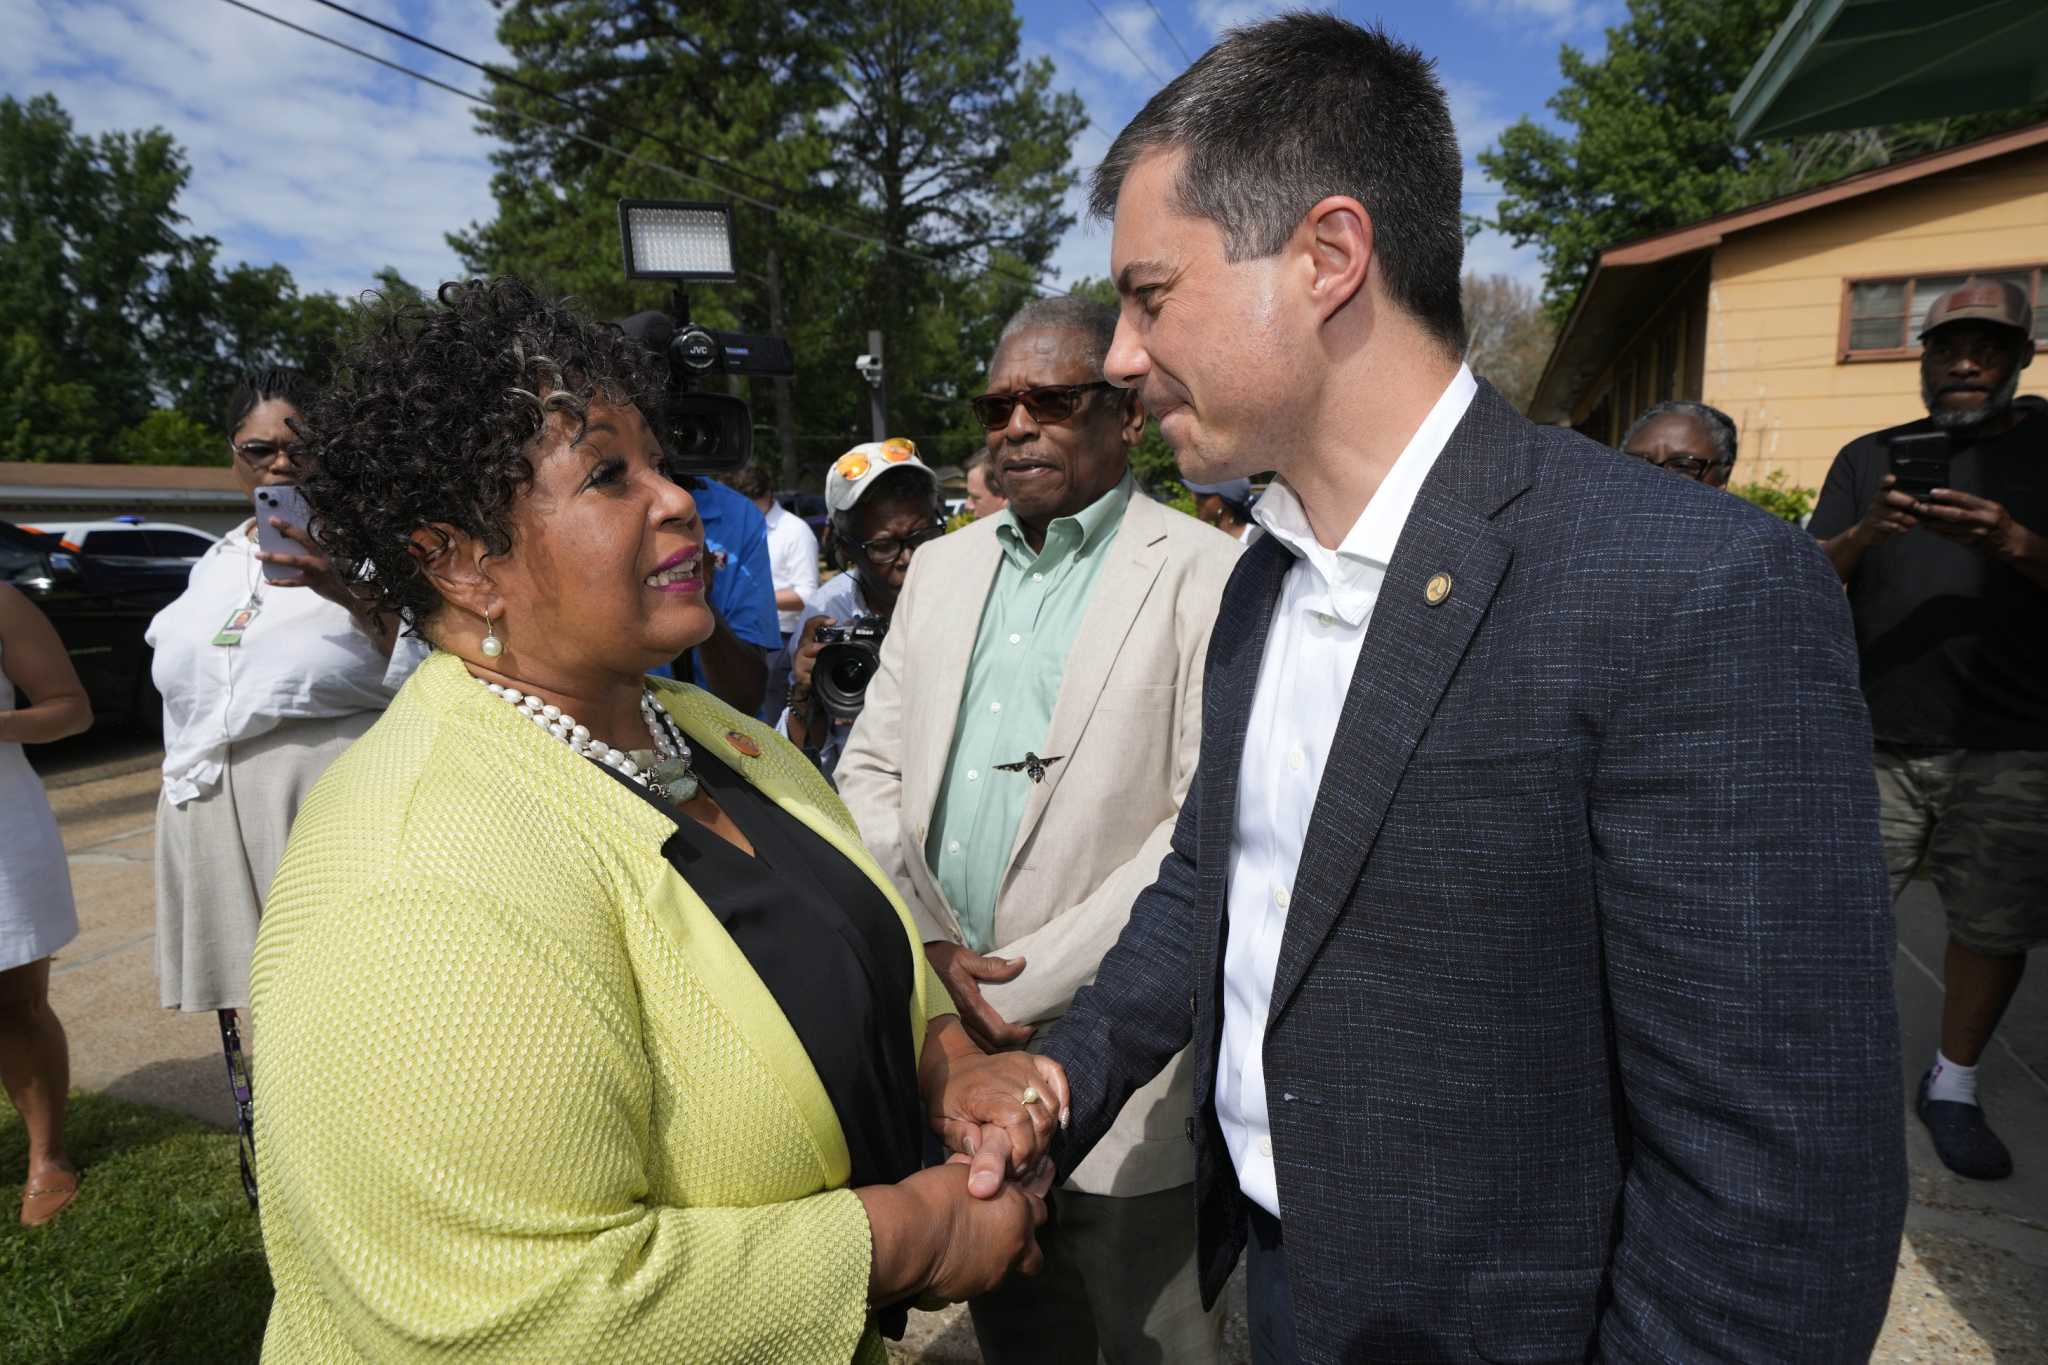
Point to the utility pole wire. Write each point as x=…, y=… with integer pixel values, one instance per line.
x=608, y=150
x=509, y=79
x=1170, y=33
x=1119, y=35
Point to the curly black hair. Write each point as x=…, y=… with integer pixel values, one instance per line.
x=432, y=418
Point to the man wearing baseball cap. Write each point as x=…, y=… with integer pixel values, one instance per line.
x=884, y=504
x=1948, y=584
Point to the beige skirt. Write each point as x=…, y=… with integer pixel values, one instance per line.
x=216, y=855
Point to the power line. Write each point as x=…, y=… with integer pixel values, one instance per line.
x=979, y=257
x=991, y=266
x=1119, y=34
x=509, y=79
x=1184, y=54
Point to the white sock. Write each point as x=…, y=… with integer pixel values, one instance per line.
x=1952, y=1082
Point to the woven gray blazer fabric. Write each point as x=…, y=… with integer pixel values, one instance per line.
x=1582, y=1041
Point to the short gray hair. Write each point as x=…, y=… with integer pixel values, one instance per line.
x=1094, y=322
x=1281, y=115
x=1718, y=425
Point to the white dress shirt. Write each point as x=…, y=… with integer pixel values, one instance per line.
x=1319, y=625
x=792, y=560
x=302, y=657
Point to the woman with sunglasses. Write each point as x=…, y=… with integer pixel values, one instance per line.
x=884, y=503
x=266, y=677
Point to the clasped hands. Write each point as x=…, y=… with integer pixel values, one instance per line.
x=957, y=1230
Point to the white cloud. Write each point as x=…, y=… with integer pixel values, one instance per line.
x=1217, y=15
x=1084, y=250
x=1553, y=18
x=300, y=152
x=1143, y=56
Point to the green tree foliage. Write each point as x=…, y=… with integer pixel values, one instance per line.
x=912, y=122
x=1647, y=143
x=1778, y=496
x=119, y=330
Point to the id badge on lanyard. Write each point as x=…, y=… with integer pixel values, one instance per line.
x=230, y=633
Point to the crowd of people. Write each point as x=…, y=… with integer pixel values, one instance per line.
x=1474, y=914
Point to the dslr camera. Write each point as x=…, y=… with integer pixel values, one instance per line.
x=846, y=664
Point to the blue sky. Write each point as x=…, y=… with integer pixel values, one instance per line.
x=306, y=155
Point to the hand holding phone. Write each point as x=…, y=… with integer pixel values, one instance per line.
x=1920, y=461
x=285, y=502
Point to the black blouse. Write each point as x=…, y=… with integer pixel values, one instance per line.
x=831, y=950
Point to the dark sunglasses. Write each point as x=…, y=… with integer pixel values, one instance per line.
x=1690, y=466
x=882, y=550
x=263, y=452
x=1046, y=403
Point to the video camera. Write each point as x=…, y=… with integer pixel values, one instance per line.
x=703, y=433
x=847, y=663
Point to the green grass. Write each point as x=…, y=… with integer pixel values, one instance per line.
x=159, y=1260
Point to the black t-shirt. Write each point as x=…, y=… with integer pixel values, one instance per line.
x=1954, y=644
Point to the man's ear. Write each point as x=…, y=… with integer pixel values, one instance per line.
x=1132, y=427
x=1337, y=234
x=454, y=562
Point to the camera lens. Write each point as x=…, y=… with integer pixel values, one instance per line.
x=850, y=671
x=693, y=437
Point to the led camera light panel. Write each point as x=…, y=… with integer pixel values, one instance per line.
x=670, y=240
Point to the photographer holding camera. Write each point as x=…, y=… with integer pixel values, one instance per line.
x=884, y=503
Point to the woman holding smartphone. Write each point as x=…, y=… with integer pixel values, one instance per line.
x=269, y=667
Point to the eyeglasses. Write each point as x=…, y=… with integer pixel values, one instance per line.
x=882, y=550
x=1046, y=403
x=1691, y=467
x=261, y=452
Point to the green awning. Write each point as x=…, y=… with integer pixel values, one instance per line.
x=1860, y=63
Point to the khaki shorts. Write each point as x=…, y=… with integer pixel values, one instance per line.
x=1976, y=822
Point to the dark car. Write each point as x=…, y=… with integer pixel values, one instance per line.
x=100, y=605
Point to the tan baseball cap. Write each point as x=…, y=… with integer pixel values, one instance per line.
x=1995, y=301
x=853, y=473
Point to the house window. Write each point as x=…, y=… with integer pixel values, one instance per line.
x=1881, y=319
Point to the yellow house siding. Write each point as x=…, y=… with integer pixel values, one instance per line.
x=1775, y=305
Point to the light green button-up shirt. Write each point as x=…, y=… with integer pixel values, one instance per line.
x=1033, y=612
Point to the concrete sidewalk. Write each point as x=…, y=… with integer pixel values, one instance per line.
x=1973, y=1281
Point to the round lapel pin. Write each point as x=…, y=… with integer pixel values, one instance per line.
x=1437, y=589
x=742, y=744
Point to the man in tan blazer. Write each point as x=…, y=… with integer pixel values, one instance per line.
x=1025, y=746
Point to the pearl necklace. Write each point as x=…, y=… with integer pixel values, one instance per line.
x=664, y=770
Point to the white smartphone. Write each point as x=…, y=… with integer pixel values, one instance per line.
x=285, y=502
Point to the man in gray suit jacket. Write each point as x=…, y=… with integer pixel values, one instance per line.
x=1017, y=769
x=1526, y=915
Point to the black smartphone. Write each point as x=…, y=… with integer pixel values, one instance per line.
x=1920, y=461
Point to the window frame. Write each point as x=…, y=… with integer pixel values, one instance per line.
x=1846, y=355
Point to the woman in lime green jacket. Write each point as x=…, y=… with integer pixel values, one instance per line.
x=588, y=1029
